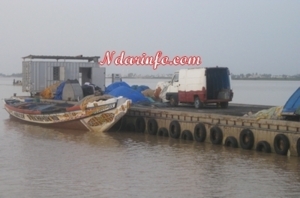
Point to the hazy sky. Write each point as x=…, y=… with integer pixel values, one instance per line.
x=247, y=36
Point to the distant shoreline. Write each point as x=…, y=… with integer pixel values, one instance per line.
x=269, y=79
x=280, y=79
x=169, y=78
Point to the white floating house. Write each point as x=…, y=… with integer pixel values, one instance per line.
x=40, y=72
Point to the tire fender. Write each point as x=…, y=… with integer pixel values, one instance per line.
x=231, y=141
x=140, y=124
x=130, y=127
x=152, y=126
x=281, y=144
x=174, y=129
x=200, y=132
x=263, y=146
x=216, y=135
x=246, y=139
x=187, y=135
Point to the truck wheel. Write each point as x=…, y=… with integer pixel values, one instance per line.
x=224, y=105
x=173, y=101
x=197, y=103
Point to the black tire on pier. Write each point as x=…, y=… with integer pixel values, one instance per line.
x=152, y=126
x=197, y=103
x=130, y=127
x=246, y=139
x=281, y=144
x=174, y=129
x=140, y=124
x=117, y=127
x=123, y=124
x=231, y=142
x=173, y=101
x=263, y=146
x=298, y=147
x=166, y=133
x=187, y=135
x=224, y=105
x=216, y=135
x=200, y=132
x=163, y=132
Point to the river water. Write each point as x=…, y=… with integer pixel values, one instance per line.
x=42, y=162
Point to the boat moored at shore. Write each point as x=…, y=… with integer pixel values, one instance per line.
x=93, y=113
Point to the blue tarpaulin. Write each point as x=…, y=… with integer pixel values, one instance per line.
x=59, y=91
x=292, y=106
x=115, y=85
x=139, y=88
x=134, y=87
x=129, y=93
x=133, y=93
x=142, y=88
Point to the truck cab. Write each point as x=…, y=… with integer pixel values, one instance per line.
x=200, y=86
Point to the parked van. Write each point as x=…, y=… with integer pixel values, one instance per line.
x=200, y=86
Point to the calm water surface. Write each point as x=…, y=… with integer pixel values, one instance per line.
x=41, y=162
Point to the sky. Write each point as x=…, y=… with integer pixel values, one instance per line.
x=254, y=36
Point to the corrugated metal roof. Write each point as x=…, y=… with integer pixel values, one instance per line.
x=79, y=57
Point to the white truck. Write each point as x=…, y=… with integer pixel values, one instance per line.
x=200, y=86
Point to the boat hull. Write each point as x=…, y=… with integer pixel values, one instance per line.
x=99, y=118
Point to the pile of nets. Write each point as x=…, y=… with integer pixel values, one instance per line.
x=49, y=92
x=161, y=90
x=91, y=98
x=273, y=113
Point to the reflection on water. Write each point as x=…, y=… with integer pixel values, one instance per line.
x=41, y=162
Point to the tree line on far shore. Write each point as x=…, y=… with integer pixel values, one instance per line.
x=11, y=75
x=253, y=76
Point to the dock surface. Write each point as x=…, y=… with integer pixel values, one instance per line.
x=233, y=109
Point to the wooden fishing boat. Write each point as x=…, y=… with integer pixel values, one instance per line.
x=93, y=113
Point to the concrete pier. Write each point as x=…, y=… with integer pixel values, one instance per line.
x=218, y=126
